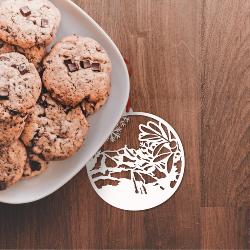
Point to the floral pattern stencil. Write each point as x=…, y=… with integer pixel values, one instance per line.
x=139, y=178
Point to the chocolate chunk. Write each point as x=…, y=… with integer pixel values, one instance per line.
x=96, y=67
x=14, y=112
x=35, y=165
x=44, y=23
x=42, y=115
x=85, y=64
x=1, y=44
x=66, y=62
x=25, y=11
x=3, y=185
x=4, y=98
x=14, y=66
x=72, y=66
x=43, y=103
x=4, y=93
x=23, y=69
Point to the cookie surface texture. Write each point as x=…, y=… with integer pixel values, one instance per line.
x=78, y=69
x=53, y=131
x=27, y=23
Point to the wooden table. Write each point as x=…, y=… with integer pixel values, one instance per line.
x=191, y=66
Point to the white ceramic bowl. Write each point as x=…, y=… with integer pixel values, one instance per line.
x=75, y=20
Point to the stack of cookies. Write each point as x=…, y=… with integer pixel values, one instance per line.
x=45, y=97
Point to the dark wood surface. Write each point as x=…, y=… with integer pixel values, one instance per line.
x=191, y=66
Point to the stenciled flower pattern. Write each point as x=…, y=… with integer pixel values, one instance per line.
x=156, y=163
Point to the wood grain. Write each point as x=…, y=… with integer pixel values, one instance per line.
x=190, y=63
x=224, y=228
x=225, y=138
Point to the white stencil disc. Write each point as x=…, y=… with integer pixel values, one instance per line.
x=140, y=166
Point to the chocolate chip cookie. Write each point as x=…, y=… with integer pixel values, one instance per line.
x=35, y=54
x=20, y=87
x=78, y=70
x=34, y=166
x=54, y=131
x=20, y=83
x=12, y=162
x=28, y=23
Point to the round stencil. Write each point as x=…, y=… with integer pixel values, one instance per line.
x=140, y=166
